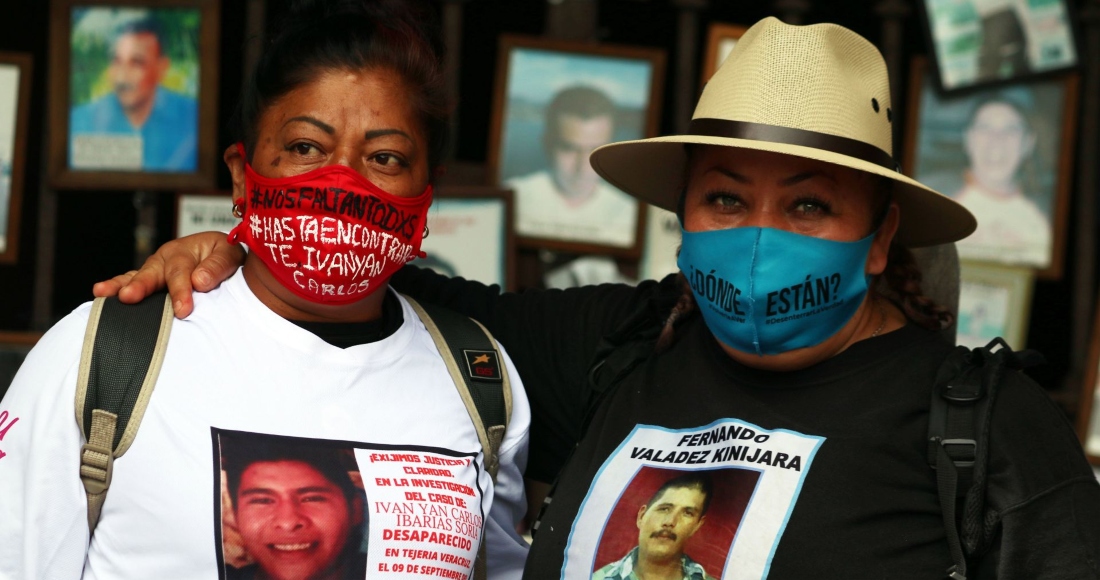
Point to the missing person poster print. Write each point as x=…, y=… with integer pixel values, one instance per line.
x=293, y=507
x=717, y=497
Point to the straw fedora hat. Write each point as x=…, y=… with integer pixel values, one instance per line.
x=820, y=92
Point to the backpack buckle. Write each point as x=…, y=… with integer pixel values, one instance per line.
x=96, y=468
x=961, y=451
x=954, y=574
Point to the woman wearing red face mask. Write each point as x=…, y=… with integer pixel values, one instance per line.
x=339, y=133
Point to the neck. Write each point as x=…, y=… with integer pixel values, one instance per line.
x=664, y=569
x=138, y=114
x=1000, y=188
x=288, y=305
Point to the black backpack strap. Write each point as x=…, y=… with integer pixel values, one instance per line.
x=123, y=349
x=478, y=372
x=958, y=441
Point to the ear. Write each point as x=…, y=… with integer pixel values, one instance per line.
x=880, y=246
x=163, y=64
x=235, y=163
x=641, y=512
x=696, y=527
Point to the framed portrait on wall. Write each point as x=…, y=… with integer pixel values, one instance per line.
x=982, y=42
x=133, y=94
x=1006, y=153
x=15, y=96
x=1088, y=409
x=470, y=235
x=662, y=241
x=203, y=212
x=721, y=38
x=554, y=103
x=994, y=301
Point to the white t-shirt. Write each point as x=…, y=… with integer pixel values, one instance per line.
x=608, y=217
x=1012, y=230
x=234, y=365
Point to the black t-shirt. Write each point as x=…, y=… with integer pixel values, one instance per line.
x=818, y=473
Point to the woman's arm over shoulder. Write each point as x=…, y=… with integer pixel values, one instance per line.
x=1041, y=488
x=551, y=336
x=43, y=510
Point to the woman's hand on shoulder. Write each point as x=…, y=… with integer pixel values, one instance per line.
x=196, y=262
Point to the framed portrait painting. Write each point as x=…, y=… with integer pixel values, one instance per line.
x=1005, y=153
x=1088, y=408
x=555, y=102
x=983, y=42
x=133, y=94
x=721, y=38
x=470, y=235
x=994, y=301
x=203, y=212
x=15, y=96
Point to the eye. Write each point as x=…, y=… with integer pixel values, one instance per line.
x=303, y=148
x=812, y=207
x=390, y=160
x=259, y=500
x=724, y=200
x=314, y=498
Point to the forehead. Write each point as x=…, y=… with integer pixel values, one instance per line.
x=283, y=475
x=998, y=114
x=681, y=497
x=350, y=101
x=768, y=168
x=142, y=42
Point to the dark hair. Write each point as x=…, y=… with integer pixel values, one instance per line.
x=696, y=480
x=238, y=452
x=143, y=26
x=320, y=35
x=583, y=102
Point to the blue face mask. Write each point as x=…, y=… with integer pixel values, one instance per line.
x=768, y=291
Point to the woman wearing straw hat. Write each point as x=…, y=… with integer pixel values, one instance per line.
x=802, y=393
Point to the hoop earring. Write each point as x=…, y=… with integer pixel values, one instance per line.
x=426, y=232
x=237, y=211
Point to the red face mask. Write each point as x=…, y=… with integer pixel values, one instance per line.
x=329, y=235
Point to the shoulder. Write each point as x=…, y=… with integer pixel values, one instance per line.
x=1032, y=440
x=83, y=117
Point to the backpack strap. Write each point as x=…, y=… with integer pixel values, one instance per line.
x=958, y=441
x=123, y=350
x=478, y=372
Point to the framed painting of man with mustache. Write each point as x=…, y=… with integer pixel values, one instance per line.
x=133, y=92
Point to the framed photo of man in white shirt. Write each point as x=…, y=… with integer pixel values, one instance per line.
x=555, y=102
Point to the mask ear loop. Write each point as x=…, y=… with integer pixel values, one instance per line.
x=752, y=295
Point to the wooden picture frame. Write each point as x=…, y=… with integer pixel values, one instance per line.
x=15, y=100
x=471, y=234
x=604, y=94
x=93, y=103
x=1025, y=223
x=1008, y=44
x=720, y=40
x=1088, y=406
x=203, y=211
x=994, y=301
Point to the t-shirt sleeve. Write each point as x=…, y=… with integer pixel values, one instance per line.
x=506, y=549
x=1042, y=490
x=43, y=510
x=551, y=335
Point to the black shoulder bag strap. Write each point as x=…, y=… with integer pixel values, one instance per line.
x=123, y=349
x=478, y=372
x=958, y=441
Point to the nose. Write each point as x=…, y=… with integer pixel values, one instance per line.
x=288, y=516
x=762, y=218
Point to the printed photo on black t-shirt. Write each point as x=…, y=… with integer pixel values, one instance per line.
x=667, y=518
x=290, y=508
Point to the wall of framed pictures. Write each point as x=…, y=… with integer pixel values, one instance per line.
x=508, y=75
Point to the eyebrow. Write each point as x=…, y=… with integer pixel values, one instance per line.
x=300, y=490
x=787, y=182
x=316, y=123
x=370, y=135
